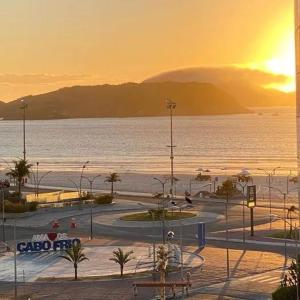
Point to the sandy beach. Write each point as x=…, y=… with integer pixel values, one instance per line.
x=145, y=183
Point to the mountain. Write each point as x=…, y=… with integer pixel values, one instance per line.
x=126, y=100
x=246, y=85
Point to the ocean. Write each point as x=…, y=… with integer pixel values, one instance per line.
x=264, y=139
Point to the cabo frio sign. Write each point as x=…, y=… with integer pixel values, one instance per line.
x=47, y=242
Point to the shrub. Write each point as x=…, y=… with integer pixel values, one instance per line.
x=203, y=177
x=14, y=207
x=13, y=197
x=158, y=213
x=288, y=288
x=228, y=187
x=285, y=293
x=18, y=208
x=32, y=206
x=103, y=199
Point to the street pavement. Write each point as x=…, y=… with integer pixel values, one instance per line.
x=253, y=275
x=246, y=260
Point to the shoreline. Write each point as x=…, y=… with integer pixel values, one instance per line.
x=145, y=184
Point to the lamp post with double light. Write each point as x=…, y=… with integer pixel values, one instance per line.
x=243, y=178
x=163, y=183
x=38, y=180
x=91, y=182
x=81, y=176
x=297, y=234
x=270, y=174
x=284, y=194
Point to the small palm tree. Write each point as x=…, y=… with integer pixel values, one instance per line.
x=121, y=258
x=162, y=260
x=20, y=170
x=112, y=178
x=75, y=255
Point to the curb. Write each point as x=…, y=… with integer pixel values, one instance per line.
x=280, y=244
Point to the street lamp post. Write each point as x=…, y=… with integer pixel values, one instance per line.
x=3, y=214
x=38, y=180
x=244, y=198
x=227, y=237
x=24, y=106
x=163, y=205
x=91, y=181
x=246, y=175
x=163, y=183
x=297, y=233
x=81, y=175
x=270, y=175
x=297, y=73
x=171, y=106
x=15, y=262
x=284, y=194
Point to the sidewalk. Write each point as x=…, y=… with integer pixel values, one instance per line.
x=262, y=235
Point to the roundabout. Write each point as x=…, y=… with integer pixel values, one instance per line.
x=126, y=220
x=148, y=217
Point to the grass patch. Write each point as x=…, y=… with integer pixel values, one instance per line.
x=104, y=277
x=280, y=235
x=145, y=216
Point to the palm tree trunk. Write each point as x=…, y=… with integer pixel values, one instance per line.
x=75, y=269
x=121, y=270
x=112, y=188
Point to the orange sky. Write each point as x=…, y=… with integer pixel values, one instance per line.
x=47, y=44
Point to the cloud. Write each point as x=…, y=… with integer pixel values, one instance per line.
x=246, y=85
x=223, y=75
x=38, y=78
x=13, y=86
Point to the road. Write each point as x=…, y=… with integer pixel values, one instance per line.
x=250, y=261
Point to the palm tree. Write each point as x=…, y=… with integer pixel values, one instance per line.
x=121, y=258
x=112, y=178
x=20, y=170
x=75, y=255
x=162, y=260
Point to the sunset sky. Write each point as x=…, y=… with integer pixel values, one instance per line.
x=47, y=44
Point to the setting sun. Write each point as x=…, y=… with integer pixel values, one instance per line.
x=284, y=63
x=276, y=53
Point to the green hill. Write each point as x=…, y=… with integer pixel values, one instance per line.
x=125, y=100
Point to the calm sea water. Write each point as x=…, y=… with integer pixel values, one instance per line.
x=264, y=139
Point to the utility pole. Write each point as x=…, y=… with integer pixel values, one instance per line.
x=3, y=215
x=37, y=179
x=297, y=64
x=15, y=262
x=24, y=107
x=171, y=106
x=227, y=237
